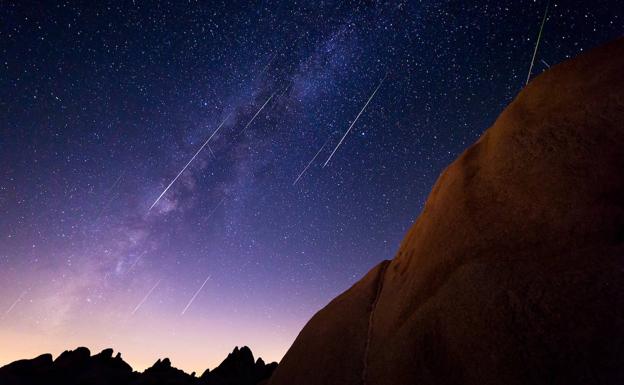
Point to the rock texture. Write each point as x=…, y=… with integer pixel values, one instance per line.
x=514, y=271
x=78, y=367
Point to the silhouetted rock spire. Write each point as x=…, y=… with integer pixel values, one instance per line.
x=239, y=368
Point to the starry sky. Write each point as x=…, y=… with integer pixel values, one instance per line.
x=102, y=106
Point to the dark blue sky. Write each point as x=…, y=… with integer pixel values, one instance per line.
x=101, y=106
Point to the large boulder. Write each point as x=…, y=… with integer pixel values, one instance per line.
x=514, y=271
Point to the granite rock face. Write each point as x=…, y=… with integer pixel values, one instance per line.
x=514, y=271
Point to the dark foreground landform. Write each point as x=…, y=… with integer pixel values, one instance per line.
x=514, y=271
x=79, y=367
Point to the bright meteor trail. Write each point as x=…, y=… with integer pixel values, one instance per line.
x=539, y=37
x=187, y=164
x=146, y=297
x=355, y=120
x=311, y=161
x=254, y=117
x=16, y=302
x=195, y=295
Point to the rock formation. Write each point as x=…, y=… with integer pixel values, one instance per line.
x=514, y=271
x=239, y=368
x=78, y=367
x=163, y=373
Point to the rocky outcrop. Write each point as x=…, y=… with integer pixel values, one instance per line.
x=239, y=368
x=70, y=367
x=514, y=271
x=78, y=367
x=27, y=372
x=163, y=373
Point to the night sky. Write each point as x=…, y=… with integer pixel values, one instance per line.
x=101, y=106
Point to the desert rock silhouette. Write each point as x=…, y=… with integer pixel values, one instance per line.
x=78, y=367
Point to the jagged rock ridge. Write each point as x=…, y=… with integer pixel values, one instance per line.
x=79, y=367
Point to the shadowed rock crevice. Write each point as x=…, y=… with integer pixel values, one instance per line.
x=371, y=318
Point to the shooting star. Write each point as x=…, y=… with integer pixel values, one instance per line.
x=546, y=64
x=539, y=37
x=269, y=63
x=355, y=120
x=212, y=152
x=254, y=117
x=285, y=89
x=194, y=296
x=311, y=161
x=215, y=208
x=19, y=298
x=111, y=193
x=187, y=164
x=136, y=261
x=146, y=297
x=117, y=181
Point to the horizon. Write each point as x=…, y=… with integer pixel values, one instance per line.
x=141, y=369
x=179, y=180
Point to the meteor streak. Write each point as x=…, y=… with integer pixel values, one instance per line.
x=254, y=117
x=136, y=261
x=146, y=297
x=212, y=152
x=189, y=162
x=539, y=37
x=216, y=207
x=310, y=162
x=16, y=302
x=269, y=63
x=111, y=194
x=285, y=89
x=195, y=295
x=117, y=181
x=355, y=120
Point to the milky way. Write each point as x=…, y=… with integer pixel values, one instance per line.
x=102, y=106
